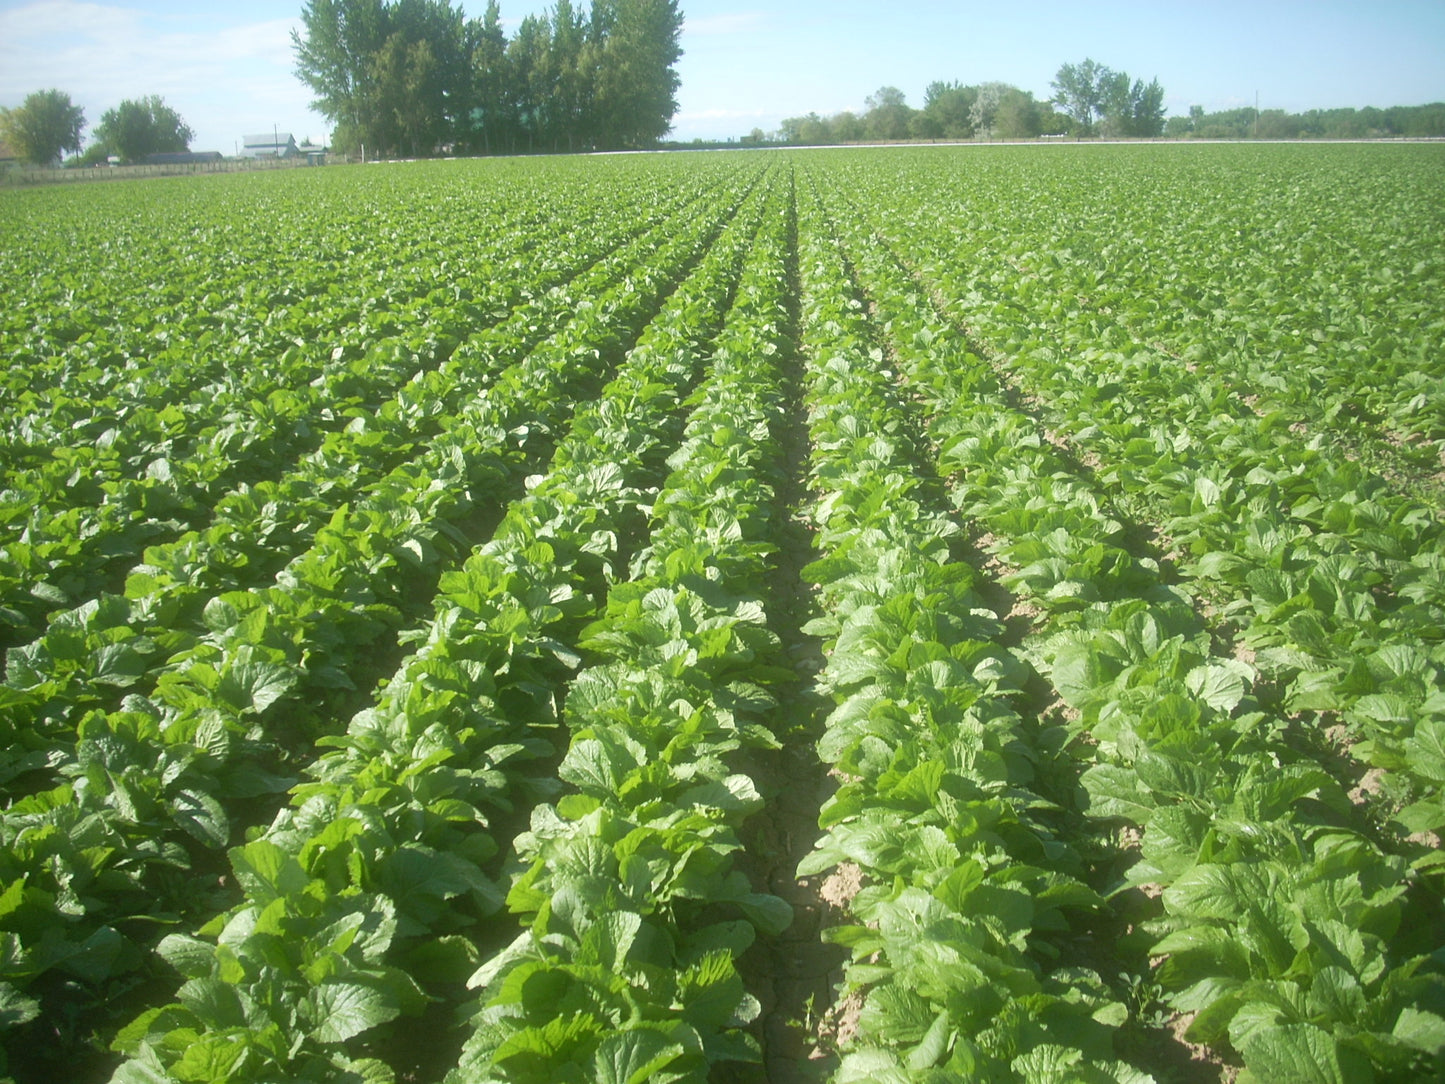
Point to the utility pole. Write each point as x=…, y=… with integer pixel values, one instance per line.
x=1256, y=114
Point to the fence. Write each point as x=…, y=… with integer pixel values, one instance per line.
x=17, y=175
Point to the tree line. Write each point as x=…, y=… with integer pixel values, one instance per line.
x=48, y=123
x=417, y=77
x=1088, y=99
x=1400, y=121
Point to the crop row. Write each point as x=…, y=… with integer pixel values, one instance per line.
x=1335, y=578
x=634, y=913
x=450, y=664
x=87, y=654
x=269, y=666
x=364, y=561
x=966, y=885
x=170, y=297
x=411, y=788
x=1281, y=920
x=1263, y=283
x=88, y=510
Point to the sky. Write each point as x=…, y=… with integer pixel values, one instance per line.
x=228, y=68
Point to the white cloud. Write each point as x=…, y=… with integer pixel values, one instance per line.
x=36, y=22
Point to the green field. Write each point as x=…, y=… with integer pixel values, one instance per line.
x=916, y=614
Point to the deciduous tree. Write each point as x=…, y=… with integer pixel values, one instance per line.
x=951, y=107
x=1147, y=103
x=529, y=63
x=1117, y=113
x=415, y=74
x=390, y=75
x=1094, y=95
x=847, y=127
x=46, y=124
x=1081, y=89
x=492, y=118
x=637, y=78
x=888, y=114
x=1017, y=115
x=141, y=126
x=335, y=56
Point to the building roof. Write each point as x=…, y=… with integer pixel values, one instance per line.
x=268, y=139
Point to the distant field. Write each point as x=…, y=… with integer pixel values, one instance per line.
x=945, y=614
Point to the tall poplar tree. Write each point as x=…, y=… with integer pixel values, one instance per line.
x=413, y=75
x=395, y=76
x=637, y=80
x=335, y=57
x=493, y=115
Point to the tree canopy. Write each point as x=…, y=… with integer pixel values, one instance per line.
x=1079, y=89
x=950, y=111
x=44, y=126
x=141, y=126
x=416, y=76
x=1100, y=102
x=1410, y=121
x=1094, y=99
x=1097, y=97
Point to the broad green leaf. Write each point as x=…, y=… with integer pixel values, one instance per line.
x=15, y=1007
x=341, y=1010
x=711, y=992
x=608, y=941
x=1199, y=953
x=191, y=957
x=1207, y=891
x=1426, y=750
x=1300, y=1053
x=451, y=958
x=537, y=1050
x=901, y=1015
x=13, y=898
x=98, y=957
x=365, y=1071
x=215, y=1003
x=266, y=872
x=213, y=1057
x=201, y=816
x=593, y=767
x=118, y=664
x=1421, y=1030
x=735, y=938
x=872, y=1065
x=770, y=914
x=256, y=685
x=1336, y=996
x=635, y=1056
x=933, y=1046
x=135, y=1071
x=1116, y=791
x=1221, y=684
x=502, y=961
